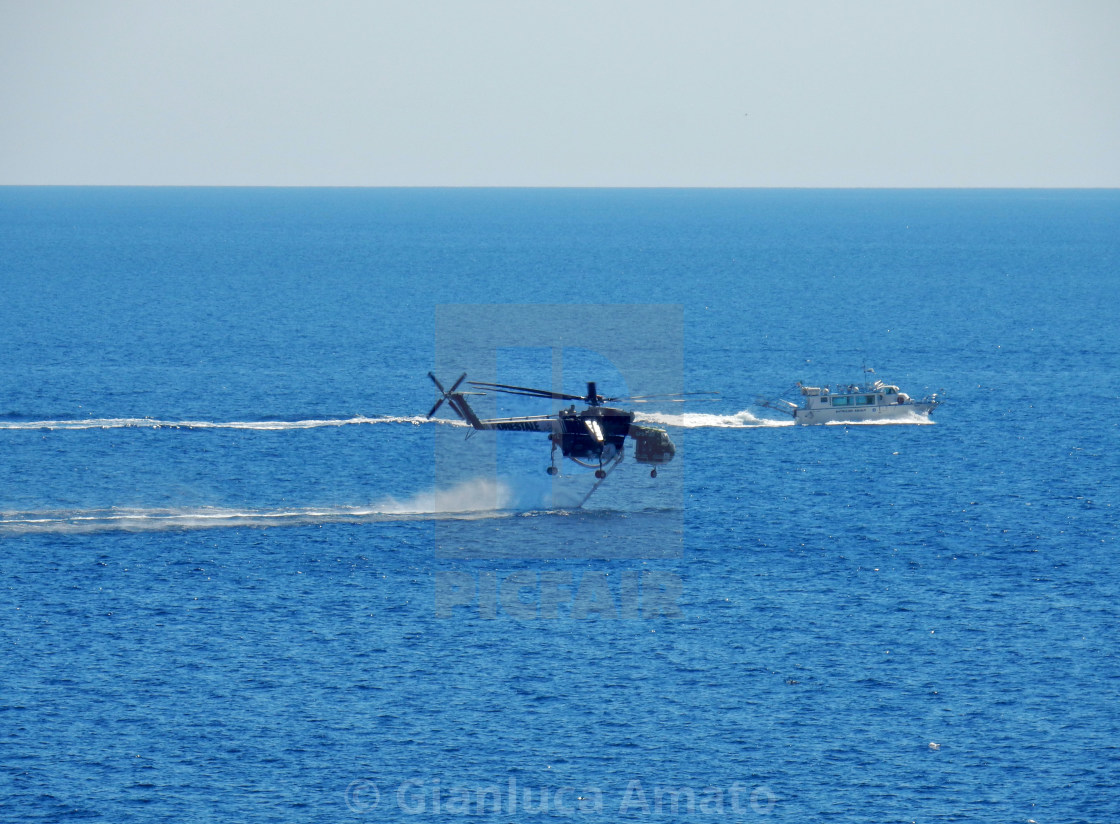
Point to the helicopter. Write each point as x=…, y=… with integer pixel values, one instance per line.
x=594, y=437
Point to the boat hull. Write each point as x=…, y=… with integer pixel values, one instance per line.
x=863, y=414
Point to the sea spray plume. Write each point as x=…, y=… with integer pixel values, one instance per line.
x=474, y=495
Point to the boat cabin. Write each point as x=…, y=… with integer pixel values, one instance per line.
x=822, y=398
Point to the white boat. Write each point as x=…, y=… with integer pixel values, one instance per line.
x=854, y=403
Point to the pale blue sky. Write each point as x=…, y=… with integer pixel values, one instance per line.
x=560, y=93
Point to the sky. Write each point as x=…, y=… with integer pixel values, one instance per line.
x=698, y=93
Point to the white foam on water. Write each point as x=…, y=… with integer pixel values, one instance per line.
x=701, y=420
x=747, y=420
x=909, y=419
x=264, y=426
x=475, y=498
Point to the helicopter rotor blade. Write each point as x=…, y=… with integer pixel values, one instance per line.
x=674, y=397
x=526, y=391
x=442, y=394
x=671, y=397
x=543, y=395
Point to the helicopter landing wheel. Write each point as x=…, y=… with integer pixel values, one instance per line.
x=653, y=473
x=600, y=474
x=551, y=470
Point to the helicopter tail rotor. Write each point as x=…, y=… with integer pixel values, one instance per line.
x=445, y=394
x=455, y=400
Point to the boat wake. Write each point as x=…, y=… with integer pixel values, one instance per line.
x=746, y=420
x=264, y=426
x=701, y=420
x=474, y=499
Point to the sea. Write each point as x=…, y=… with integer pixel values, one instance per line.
x=245, y=577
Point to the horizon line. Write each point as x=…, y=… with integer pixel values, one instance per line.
x=551, y=187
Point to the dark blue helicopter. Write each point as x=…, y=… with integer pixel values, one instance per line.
x=594, y=437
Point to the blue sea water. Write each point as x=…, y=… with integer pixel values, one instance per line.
x=238, y=586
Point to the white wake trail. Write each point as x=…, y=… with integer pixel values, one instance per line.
x=262, y=426
x=701, y=420
x=746, y=420
x=477, y=498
